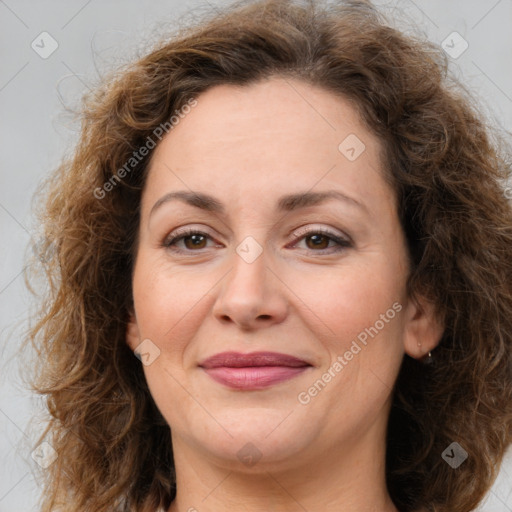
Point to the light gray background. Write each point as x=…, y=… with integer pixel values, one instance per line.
x=36, y=131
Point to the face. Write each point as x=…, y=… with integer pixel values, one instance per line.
x=262, y=260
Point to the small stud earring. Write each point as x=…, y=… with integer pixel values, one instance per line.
x=427, y=359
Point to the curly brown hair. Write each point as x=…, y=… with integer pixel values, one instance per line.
x=448, y=171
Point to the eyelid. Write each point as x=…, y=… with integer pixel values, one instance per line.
x=183, y=232
x=336, y=235
x=341, y=240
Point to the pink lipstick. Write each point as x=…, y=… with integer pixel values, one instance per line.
x=257, y=370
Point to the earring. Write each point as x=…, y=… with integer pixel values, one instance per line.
x=426, y=359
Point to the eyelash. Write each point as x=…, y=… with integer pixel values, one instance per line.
x=342, y=242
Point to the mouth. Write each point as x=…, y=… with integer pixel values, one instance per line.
x=257, y=370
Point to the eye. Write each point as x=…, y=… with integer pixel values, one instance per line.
x=319, y=239
x=192, y=240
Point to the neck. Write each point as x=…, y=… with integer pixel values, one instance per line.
x=350, y=478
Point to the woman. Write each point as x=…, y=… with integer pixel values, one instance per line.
x=300, y=229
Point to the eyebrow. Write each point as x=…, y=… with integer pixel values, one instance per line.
x=285, y=203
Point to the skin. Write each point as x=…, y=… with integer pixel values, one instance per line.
x=248, y=146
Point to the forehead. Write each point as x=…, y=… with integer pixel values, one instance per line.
x=265, y=139
x=292, y=109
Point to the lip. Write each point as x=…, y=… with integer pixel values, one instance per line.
x=257, y=370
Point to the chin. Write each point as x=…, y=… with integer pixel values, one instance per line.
x=254, y=439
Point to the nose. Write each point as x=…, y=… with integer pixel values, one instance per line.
x=252, y=295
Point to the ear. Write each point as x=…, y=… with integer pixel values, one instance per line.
x=423, y=329
x=132, y=331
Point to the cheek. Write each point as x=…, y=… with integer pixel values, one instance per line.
x=347, y=301
x=361, y=332
x=169, y=303
x=357, y=314
x=167, y=299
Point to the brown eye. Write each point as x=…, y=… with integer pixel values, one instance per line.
x=195, y=241
x=187, y=241
x=318, y=241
